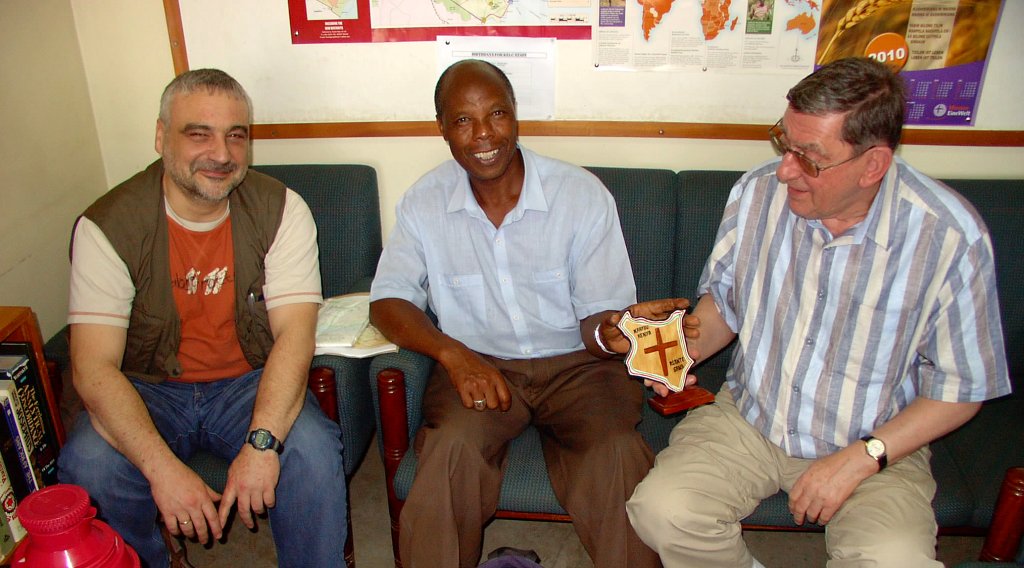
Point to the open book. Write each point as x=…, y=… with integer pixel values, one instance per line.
x=343, y=328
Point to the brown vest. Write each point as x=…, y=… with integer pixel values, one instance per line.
x=133, y=218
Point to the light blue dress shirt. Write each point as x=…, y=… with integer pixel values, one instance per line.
x=517, y=291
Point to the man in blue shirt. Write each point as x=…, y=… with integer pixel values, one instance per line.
x=520, y=257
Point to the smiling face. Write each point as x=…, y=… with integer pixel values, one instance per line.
x=478, y=120
x=205, y=146
x=842, y=195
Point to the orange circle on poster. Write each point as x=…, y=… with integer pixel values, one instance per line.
x=889, y=48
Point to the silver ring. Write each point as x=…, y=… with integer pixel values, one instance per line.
x=480, y=404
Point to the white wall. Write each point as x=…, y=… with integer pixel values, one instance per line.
x=81, y=84
x=50, y=162
x=126, y=83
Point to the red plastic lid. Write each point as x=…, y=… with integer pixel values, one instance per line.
x=54, y=509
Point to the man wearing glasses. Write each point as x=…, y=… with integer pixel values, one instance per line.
x=861, y=294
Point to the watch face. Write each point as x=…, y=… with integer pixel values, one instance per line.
x=875, y=448
x=261, y=439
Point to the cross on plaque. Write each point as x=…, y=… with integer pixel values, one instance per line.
x=662, y=348
x=657, y=349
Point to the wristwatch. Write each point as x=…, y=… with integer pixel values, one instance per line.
x=875, y=449
x=263, y=440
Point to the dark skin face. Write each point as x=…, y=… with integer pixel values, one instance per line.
x=478, y=120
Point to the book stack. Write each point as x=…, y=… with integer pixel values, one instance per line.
x=28, y=441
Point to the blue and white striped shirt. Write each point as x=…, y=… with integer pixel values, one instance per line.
x=517, y=291
x=836, y=335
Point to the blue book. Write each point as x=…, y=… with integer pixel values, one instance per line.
x=36, y=422
x=12, y=410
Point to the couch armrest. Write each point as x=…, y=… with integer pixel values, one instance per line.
x=398, y=382
x=676, y=402
x=415, y=370
x=321, y=382
x=1004, y=534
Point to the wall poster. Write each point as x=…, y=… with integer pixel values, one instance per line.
x=348, y=21
x=940, y=47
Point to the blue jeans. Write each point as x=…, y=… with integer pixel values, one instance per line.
x=309, y=520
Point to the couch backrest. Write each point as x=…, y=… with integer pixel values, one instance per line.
x=346, y=207
x=702, y=195
x=1001, y=204
x=646, y=200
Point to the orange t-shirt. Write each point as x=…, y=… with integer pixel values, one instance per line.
x=202, y=265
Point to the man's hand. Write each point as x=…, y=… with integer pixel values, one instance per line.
x=475, y=379
x=252, y=479
x=656, y=310
x=187, y=505
x=828, y=482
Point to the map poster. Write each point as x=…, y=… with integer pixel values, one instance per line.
x=342, y=21
x=940, y=48
x=741, y=36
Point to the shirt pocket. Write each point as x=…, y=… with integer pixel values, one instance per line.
x=554, y=297
x=872, y=334
x=463, y=302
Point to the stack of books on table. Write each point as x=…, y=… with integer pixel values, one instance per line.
x=343, y=328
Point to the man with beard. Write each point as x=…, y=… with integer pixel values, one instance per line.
x=194, y=293
x=520, y=257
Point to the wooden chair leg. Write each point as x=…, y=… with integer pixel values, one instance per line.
x=1004, y=535
x=395, y=439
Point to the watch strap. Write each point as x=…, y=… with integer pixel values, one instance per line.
x=272, y=443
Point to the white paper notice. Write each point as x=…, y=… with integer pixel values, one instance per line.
x=528, y=62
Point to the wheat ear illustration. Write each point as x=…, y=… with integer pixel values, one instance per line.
x=862, y=11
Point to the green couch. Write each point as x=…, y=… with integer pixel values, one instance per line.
x=669, y=221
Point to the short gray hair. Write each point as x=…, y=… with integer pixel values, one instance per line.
x=871, y=95
x=210, y=80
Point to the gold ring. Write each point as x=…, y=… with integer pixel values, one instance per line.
x=188, y=522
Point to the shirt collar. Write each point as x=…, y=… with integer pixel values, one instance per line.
x=532, y=196
x=877, y=224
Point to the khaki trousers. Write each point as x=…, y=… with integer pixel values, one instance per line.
x=586, y=410
x=716, y=470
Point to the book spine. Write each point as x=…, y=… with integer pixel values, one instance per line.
x=9, y=458
x=11, y=530
x=38, y=423
x=9, y=401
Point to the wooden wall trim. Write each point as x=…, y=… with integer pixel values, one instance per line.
x=611, y=129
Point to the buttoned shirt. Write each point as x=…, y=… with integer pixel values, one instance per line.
x=835, y=335
x=519, y=290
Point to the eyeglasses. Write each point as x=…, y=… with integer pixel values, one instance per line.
x=809, y=166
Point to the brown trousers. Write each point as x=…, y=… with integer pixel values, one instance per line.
x=586, y=410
